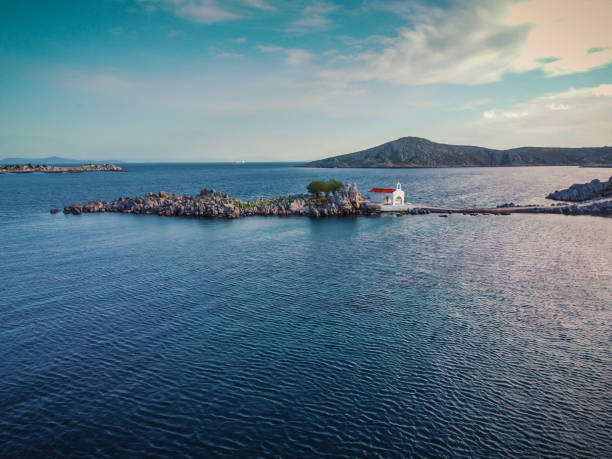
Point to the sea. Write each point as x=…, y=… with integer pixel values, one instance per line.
x=383, y=336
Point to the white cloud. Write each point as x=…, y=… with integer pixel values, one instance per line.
x=516, y=114
x=493, y=114
x=201, y=11
x=548, y=120
x=466, y=45
x=294, y=56
x=260, y=5
x=206, y=11
x=298, y=56
x=270, y=48
x=227, y=55
x=479, y=42
x=558, y=107
x=313, y=17
x=564, y=35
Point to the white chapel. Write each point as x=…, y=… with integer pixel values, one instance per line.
x=388, y=196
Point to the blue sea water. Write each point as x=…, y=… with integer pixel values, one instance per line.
x=125, y=335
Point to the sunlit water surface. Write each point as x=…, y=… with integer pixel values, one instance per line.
x=130, y=335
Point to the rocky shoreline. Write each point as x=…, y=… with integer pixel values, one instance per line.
x=30, y=168
x=214, y=204
x=580, y=192
x=346, y=202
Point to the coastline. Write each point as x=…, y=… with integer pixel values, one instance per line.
x=346, y=202
x=47, y=169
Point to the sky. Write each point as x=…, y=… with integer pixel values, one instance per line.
x=281, y=80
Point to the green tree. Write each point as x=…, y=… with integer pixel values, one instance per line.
x=317, y=187
x=335, y=185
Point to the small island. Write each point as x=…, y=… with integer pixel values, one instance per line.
x=338, y=200
x=211, y=203
x=47, y=169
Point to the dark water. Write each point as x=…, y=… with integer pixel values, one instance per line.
x=130, y=335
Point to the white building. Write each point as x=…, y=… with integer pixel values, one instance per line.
x=388, y=196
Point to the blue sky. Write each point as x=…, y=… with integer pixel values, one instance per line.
x=212, y=80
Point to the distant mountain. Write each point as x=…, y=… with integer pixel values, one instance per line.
x=51, y=160
x=419, y=152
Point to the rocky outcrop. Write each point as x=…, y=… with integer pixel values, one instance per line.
x=347, y=202
x=599, y=207
x=583, y=192
x=29, y=168
x=214, y=204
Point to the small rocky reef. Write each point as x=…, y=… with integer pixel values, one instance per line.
x=29, y=168
x=210, y=203
x=580, y=192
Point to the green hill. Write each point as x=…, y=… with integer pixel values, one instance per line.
x=419, y=152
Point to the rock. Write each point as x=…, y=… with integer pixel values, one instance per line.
x=313, y=212
x=583, y=192
x=29, y=168
x=296, y=205
x=346, y=202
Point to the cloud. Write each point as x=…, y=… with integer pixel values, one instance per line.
x=227, y=55
x=516, y=114
x=492, y=114
x=466, y=45
x=313, y=17
x=201, y=11
x=270, y=48
x=558, y=107
x=175, y=33
x=213, y=92
x=476, y=42
x=489, y=114
x=260, y=5
x=576, y=32
x=298, y=56
x=206, y=11
x=578, y=117
x=294, y=56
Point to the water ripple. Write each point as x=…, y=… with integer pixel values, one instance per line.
x=126, y=336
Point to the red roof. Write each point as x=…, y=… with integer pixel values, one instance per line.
x=382, y=190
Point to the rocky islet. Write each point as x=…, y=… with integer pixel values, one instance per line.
x=47, y=169
x=210, y=203
x=583, y=191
